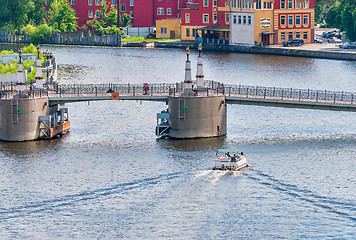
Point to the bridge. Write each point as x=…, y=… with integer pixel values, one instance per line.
x=235, y=94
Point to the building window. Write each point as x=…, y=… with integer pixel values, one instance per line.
x=194, y=33
x=215, y=17
x=283, y=4
x=250, y=4
x=169, y=11
x=238, y=3
x=290, y=35
x=227, y=4
x=206, y=3
x=97, y=14
x=297, y=34
x=97, y=2
x=249, y=20
x=215, y=3
x=305, y=19
x=306, y=5
x=178, y=4
x=239, y=18
x=245, y=4
x=187, y=18
x=290, y=20
x=259, y=4
x=73, y=2
x=283, y=36
x=160, y=11
x=114, y=2
x=283, y=20
x=205, y=18
x=233, y=3
x=305, y=35
x=227, y=17
x=131, y=3
x=244, y=19
x=132, y=14
x=90, y=2
x=187, y=32
x=123, y=7
x=267, y=5
x=290, y=3
x=163, y=30
x=234, y=19
x=90, y=14
x=297, y=20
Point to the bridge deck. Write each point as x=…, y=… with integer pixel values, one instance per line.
x=235, y=94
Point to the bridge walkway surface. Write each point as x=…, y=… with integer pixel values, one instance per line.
x=235, y=94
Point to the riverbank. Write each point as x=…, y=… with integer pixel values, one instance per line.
x=324, y=51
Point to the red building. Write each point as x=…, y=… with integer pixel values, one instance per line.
x=197, y=14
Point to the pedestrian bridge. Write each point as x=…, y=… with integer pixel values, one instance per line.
x=235, y=94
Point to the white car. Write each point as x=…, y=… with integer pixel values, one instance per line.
x=334, y=40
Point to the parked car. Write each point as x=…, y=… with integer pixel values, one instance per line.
x=318, y=40
x=348, y=45
x=334, y=40
x=293, y=42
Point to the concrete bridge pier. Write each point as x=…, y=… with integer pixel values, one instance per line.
x=197, y=117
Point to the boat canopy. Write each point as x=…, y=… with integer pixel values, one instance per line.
x=227, y=151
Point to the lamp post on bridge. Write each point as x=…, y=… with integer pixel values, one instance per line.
x=47, y=55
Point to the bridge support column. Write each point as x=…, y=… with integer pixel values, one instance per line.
x=197, y=117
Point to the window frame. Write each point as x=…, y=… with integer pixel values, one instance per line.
x=169, y=11
x=160, y=11
x=297, y=18
x=187, y=18
x=283, y=36
x=283, y=20
x=290, y=20
x=90, y=2
x=123, y=7
x=90, y=14
x=306, y=19
x=205, y=18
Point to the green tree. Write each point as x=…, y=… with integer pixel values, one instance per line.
x=333, y=16
x=36, y=14
x=125, y=20
x=348, y=22
x=62, y=16
x=37, y=34
x=106, y=22
x=13, y=14
x=319, y=8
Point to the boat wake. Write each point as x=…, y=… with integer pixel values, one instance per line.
x=54, y=204
x=333, y=205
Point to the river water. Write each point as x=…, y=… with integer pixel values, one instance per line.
x=110, y=178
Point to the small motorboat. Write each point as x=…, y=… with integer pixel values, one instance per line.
x=230, y=159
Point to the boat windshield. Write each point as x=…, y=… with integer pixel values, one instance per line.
x=230, y=151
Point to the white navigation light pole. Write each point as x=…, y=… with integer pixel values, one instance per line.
x=39, y=77
x=200, y=75
x=20, y=74
x=188, y=72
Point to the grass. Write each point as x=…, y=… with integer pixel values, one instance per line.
x=142, y=39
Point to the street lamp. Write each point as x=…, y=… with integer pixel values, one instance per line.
x=47, y=56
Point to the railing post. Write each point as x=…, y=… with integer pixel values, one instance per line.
x=74, y=88
x=274, y=91
x=317, y=95
x=133, y=90
x=96, y=91
x=239, y=88
x=282, y=93
x=342, y=96
x=256, y=90
x=229, y=91
x=264, y=94
x=128, y=88
x=78, y=91
x=334, y=97
x=300, y=92
x=291, y=92
x=60, y=91
x=207, y=91
x=308, y=94
x=247, y=92
x=352, y=98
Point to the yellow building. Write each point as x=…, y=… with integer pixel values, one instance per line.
x=268, y=22
x=168, y=28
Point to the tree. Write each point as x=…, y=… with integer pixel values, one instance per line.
x=333, y=16
x=348, y=22
x=125, y=20
x=36, y=14
x=106, y=22
x=319, y=8
x=62, y=16
x=13, y=14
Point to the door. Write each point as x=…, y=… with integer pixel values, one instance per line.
x=265, y=39
x=172, y=34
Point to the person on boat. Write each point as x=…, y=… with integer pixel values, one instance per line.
x=195, y=88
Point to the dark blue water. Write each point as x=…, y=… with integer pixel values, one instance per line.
x=109, y=177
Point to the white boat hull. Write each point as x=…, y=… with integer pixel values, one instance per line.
x=227, y=163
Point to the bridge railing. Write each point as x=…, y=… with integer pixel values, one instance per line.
x=289, y=93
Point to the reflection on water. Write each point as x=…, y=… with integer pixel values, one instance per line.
x=192, y=145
